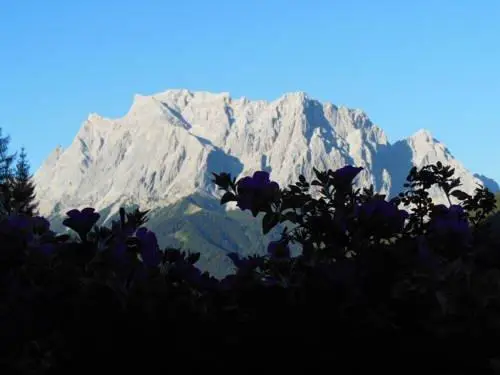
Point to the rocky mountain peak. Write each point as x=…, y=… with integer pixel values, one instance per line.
x=167, y=145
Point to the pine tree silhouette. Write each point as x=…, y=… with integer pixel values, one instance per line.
x=23, y=188
x=6, y=175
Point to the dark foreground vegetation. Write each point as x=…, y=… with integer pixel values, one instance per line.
x=374, y=288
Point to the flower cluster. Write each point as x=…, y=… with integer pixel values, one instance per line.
x=420, y=277
x=256, y=193
x=46, y=275
x=358, y=240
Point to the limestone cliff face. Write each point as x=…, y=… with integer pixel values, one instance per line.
x=165, y=148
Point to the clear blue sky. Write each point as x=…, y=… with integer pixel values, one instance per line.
x=431, y=64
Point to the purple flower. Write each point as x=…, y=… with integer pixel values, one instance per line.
x=259, y=179
x=344, y=176
x=256, y=190
x=245, y=201
x=278, y=250
x=150, y=251
x=81, y=221
x=382, y=216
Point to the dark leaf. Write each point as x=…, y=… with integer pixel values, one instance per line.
x=269, y=221
x=193, y=258
x=227, y=197
x=290, y=216
x=459, y=194
x=63, y=237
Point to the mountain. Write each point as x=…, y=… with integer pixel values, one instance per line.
x=491, y=184
x=160, y=156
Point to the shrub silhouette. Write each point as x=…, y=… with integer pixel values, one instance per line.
x=374, y=287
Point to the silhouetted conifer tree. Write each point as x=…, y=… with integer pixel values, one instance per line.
x=23, y=188
x=6, y=175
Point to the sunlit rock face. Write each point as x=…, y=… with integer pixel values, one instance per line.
x=167, y=145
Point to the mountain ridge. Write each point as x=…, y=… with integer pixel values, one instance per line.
x=161, y=154
x=286, y=136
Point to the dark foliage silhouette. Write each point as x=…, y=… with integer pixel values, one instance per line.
x=6, y=173
x=23, y=187
x=402, y=285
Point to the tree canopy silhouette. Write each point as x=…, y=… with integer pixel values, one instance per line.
x=23, y=188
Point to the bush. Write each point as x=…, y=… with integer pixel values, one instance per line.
x=374, y=286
